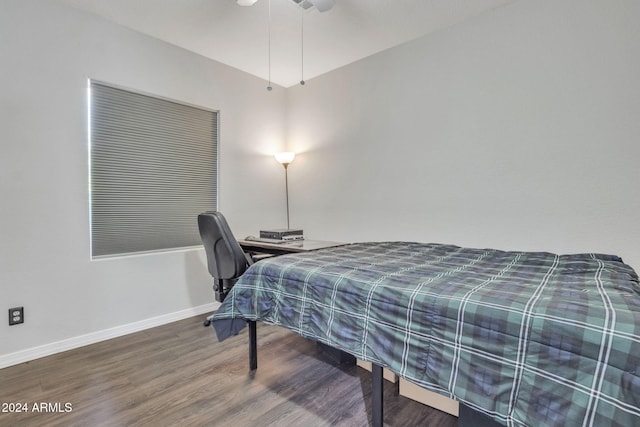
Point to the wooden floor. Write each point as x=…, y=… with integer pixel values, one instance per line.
x=179, y=374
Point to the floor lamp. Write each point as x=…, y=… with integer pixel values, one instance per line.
x=284, y=159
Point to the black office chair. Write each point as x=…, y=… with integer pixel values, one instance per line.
x=225, y=258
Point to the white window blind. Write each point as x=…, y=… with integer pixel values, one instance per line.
x=153, y=169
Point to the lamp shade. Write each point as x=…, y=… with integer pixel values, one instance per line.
x=285, y=157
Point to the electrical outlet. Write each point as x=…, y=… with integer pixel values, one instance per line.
x=16, y=315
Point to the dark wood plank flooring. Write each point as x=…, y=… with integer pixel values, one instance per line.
x=179, y=374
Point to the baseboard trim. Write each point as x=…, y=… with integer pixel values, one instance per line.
x=106, y=334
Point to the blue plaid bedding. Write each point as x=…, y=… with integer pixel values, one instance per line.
x=528, y=338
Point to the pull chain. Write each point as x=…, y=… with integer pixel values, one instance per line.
x=302, y=46
x=269, y=87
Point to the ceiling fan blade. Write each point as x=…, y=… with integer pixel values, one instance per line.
x=323, y=5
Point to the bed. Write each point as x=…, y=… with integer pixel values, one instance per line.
x=525, y=338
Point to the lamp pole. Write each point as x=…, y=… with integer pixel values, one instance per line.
x=286, y=190
x=284, y=159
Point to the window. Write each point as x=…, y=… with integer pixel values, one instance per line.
x=153, y=169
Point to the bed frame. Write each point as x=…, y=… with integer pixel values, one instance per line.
x=467, y=418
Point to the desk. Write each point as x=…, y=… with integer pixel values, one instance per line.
x=286, y=247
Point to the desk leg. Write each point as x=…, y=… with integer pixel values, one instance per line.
x=376, y=395
x=253, y=346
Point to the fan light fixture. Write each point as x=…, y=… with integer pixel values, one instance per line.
x=321, y=5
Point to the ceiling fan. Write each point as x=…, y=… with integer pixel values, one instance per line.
x=321, y=5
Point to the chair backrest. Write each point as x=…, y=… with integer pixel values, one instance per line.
x=225, y=257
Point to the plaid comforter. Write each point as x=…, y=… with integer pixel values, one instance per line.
x=528, y=338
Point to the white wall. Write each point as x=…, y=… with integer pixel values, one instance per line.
x=518, y=129
x=48, y=51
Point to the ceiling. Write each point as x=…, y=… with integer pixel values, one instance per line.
x=239, y=36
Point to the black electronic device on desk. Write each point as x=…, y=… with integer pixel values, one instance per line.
x=282, y=234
